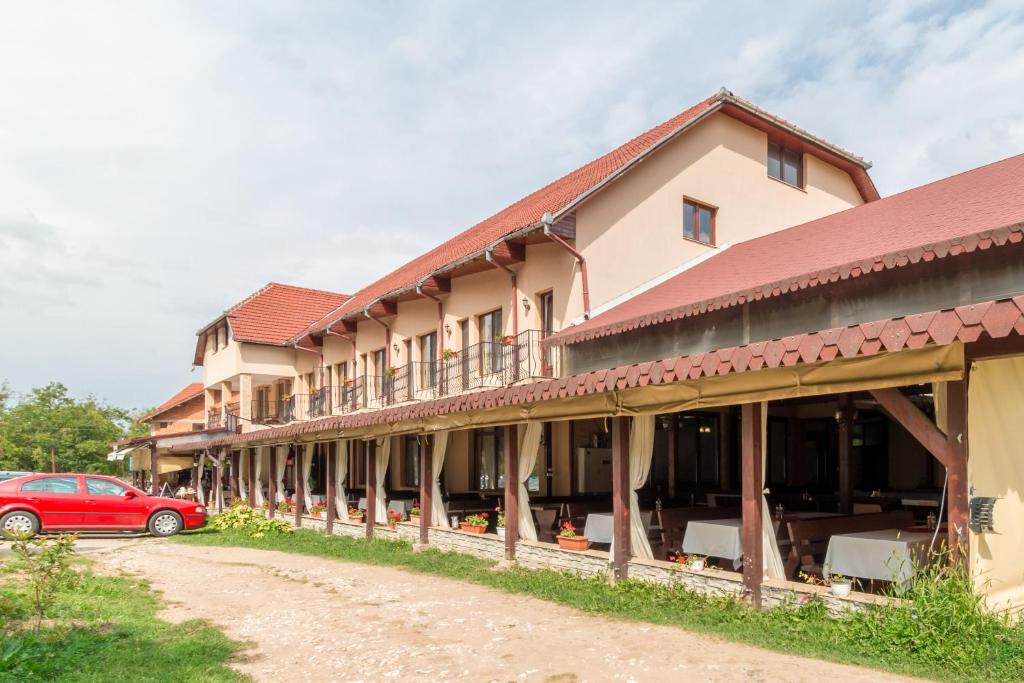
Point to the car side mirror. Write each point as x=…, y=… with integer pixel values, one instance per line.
x=128, y=495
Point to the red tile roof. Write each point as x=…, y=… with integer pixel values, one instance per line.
x=275, y=314
x=947, y=216
x=186, y=394
x=559, y=196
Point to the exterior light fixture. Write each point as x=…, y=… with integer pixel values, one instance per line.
x=448, y=329
x=394, y=347
x=526, y=304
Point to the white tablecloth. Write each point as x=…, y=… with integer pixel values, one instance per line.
x=887, y=555
x=402, y=506
x=599, y=527
x=717, y=538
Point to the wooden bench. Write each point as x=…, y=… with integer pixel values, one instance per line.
x=809, y=537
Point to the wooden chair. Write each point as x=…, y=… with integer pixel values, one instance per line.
x=809, y=537
x=546, y=520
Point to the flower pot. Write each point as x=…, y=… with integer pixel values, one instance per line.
x=358, y=519
x=501, y=532
x=697, y=566
x=315, y=514
x=414, y=519
x=391, y=525
x=471, y=529
x=576, y=543
x=841, y=589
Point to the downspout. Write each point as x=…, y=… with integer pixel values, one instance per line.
x=489, y=255
x=546, y=220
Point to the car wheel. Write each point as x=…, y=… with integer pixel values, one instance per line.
x=165, y=523
x=19, y=521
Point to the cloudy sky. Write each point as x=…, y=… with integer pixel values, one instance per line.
x=160, y=160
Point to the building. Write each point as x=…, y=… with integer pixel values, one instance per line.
x=721, y=305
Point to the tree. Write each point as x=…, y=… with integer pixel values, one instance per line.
x=48, y=429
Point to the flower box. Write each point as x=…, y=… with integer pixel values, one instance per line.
x=472, y=528
x=575, y=543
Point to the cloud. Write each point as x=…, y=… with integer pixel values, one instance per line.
x=161, y=161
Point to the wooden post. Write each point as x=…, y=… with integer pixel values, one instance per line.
x=272, y=484
x=218, y=488
x=332, y=467
x=956, y=470
x=197, y=478
x=251, y=476
x=426, y=487
x=236, y=492
x=844, y=417
x=621, y=549
x=299, y=483
x=750, y=465
x=511, y=490
x=371, y=486
x=154, y=462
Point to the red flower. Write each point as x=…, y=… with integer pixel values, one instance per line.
x=484, y=515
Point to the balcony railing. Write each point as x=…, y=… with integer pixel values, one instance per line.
x=266, y=411
x=483, y=365
x=218, y=418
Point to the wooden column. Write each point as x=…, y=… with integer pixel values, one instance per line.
x=844, y=418
x=197, y=478
x=272, y=484
x=300, y=454
x=426, y=487
x=750, y=466
x=511, y=490
x=236, y=492
x=621, y=549
x=331, y=470
x=371, y=486
x=956, y=469
x=218, y=475
x=154, y=462
x=251, y=476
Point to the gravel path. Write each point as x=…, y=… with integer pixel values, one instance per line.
x=310, y=619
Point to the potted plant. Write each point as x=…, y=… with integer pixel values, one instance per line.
x=317, y=510
x=475, y=524
x=414, y=513
x=568, y=539
x=503, y=339
x=355, y=515
x=394, y=517
x=284, y=506
x=499, y=523
x=389, y=372
x=695, y=563
x=449, y=354
x=840, y=585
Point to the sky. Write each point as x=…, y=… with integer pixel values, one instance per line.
x=161, y=160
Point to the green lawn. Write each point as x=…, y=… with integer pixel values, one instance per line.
x=942, y=634
x=105, y=629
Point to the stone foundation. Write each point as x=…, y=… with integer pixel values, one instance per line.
x=535, y=555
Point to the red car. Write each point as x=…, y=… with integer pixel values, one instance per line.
x=90, y=502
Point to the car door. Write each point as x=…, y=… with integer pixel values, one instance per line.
x=105, y=505
x=57, y=500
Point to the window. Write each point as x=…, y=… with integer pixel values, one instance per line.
x=103, y=487
x=198, y=426
x=490, y=342
x=164, y=425
x=489, y=452
x=380, y=370
x=785, y=165
x=547, y=314
x=698, y=222
x=222, y=338
x=428, y=356
x=68, y=485
x=411, y=461
x=464, y=335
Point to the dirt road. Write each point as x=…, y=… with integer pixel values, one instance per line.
x=309, y=619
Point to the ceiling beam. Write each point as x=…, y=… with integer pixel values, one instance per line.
x=902, y=410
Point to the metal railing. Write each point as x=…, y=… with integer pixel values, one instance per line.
x=218, y=418
x=280, y=411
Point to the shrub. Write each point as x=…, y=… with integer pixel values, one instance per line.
x=249, y=521
x=46, y=563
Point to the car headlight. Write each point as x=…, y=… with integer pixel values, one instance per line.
x=200, y=509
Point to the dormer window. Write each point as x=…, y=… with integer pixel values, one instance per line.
x=785, y=165
x=698, y=222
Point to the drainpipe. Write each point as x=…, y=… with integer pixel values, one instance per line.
x=387, y=335
x=546, y=220
x=489, y=255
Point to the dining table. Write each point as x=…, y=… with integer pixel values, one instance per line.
x=883, y=555
x=721, y=538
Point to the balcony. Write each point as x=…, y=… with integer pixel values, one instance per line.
x=227, y=418
x=484, y=365
x=273, y=412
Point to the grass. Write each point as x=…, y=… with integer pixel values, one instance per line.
x=942, y=634
x=104, y=628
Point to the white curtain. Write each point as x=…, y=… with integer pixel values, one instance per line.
x=529, y=445
x=280, y=454
x=438, y=515
x=200, y=493
x=641, y=450
x=773, y=567
x=340, y=472
x=383, y=458
x=258, y=493
x=307, y=468
x=243, y=475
